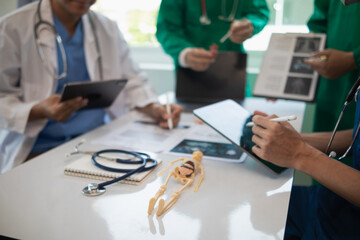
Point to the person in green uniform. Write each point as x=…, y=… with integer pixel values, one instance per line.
x=187, y=28
x=340, y=70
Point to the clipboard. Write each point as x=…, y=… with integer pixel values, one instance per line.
x=101, y=94
x=229, y=119
x=225, y=78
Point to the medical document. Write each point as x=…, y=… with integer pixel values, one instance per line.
x=283, y=73
x=143, y=136
x=187, y=137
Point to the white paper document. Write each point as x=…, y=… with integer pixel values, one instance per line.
x=143, y=136
x=283, y=73
x=183, y=140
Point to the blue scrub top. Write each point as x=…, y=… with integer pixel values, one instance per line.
x=315, y=212
x=56, y=133
x=338, y=218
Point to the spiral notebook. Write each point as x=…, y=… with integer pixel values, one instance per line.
x=83, y=167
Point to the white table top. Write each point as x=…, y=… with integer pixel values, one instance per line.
x=235, y=201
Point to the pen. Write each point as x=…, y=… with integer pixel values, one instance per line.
x=320, y=59
x=226, y=36
x=279, y=119
x=168, y=110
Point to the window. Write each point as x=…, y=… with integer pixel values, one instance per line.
x=137, y=20
x=285, y=16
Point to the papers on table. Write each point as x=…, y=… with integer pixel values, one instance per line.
x=184, y=139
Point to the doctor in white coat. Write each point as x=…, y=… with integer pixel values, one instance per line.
x=28, y=99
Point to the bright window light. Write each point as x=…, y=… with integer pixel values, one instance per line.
x=137, y=20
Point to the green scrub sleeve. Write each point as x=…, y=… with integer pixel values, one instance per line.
x=318, y=20
x=257, y=12
x=357, y=57
x=170, y=31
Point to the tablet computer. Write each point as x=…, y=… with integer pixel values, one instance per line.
x=101, y=94
x=224, y=79
x=229, y=119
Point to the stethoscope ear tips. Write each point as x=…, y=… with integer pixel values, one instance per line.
x=332, y=154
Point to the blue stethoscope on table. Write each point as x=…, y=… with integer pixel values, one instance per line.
x=46, y=25
x=134, y=158
x=353, y=93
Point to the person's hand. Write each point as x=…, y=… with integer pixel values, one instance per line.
x=199, y=59
x=159, y=113
x=257, y=112
x=277, y=142
x=241, y=30
x=268, y=99
x=52, y=108
x=337, y=63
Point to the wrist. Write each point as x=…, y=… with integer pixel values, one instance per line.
x=150, y=109
x=182, y=57
x=351, y=61
x=305, y=158
x=36, y=113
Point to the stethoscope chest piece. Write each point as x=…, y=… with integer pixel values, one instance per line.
x=204, y=20
x=93, y=190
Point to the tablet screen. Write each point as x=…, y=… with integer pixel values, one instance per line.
x=229, y=119
x=100, y=94
x=225, y=78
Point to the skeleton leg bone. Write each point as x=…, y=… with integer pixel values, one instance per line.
x=160, y=192
x=164, y=207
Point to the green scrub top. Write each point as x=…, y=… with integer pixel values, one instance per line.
x=342, y=26
x=179, y=27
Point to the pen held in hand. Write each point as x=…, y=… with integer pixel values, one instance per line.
x=226, y=36
x=168, y=110
x=322, y=58
x=279, y=119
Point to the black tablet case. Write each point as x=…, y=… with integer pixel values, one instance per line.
x=225, y=78
x=101, y=94
x=229, y=119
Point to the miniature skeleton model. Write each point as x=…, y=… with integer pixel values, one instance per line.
x=185, y=174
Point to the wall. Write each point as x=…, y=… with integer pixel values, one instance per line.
x=7, y=6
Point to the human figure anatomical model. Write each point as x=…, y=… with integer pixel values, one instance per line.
x=184, y=174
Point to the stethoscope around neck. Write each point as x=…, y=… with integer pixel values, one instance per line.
x=46, y=62
x=353, y=94
x=133, y=158
x=205, y=20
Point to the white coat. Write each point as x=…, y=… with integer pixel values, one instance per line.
x=24, y=80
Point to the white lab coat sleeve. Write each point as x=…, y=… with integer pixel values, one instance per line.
x=138, y=91
x=14, y=112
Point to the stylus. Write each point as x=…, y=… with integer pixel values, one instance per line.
x=226, y=36
x=279, y=119
x=168, y=110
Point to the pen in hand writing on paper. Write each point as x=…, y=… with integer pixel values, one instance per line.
x=168, y=110
x=279, y=119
